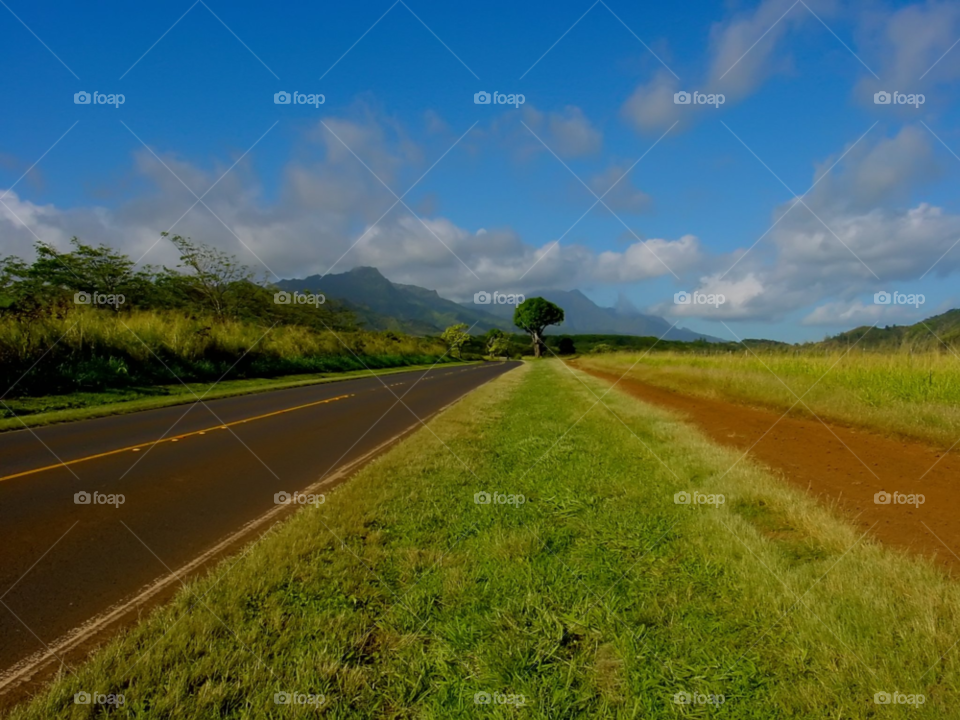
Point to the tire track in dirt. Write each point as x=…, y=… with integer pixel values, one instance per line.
x=824, y=462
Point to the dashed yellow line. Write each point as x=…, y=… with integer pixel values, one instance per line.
x=173, y=438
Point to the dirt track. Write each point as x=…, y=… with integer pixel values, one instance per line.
x=823, y=459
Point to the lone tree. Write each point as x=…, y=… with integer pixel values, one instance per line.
x=497, y=343
x=535, y=314
x=455, y=337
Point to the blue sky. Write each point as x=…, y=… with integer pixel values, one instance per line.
x=503, y=207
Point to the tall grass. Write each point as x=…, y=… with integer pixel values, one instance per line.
x=905, y=393
x=87, y=349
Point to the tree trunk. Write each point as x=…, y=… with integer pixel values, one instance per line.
x=536, y=345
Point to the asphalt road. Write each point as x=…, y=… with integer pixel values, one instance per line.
x=62, y=563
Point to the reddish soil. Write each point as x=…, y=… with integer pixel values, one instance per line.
x=823, y=459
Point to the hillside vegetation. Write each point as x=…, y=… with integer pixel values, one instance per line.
x=87, y=320
x=930, y=334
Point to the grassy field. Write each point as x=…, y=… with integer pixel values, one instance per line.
x=597, y=596
x=913, y=395
x=46, y=410
x=83, y=350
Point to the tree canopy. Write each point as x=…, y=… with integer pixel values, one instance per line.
x=455, y=337
x=497, y=342
x=533, y=316
x=208, y=282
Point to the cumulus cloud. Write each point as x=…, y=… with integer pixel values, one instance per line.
x=572, y=133
x=649, y=259
x=569, y=133
x=744, y=51
x=438, y=254
x=858, y=236
x=911, y=49
x=621, y=194
x=651, y=105
x=331, y=213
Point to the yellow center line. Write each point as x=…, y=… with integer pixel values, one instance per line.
x=173, y=438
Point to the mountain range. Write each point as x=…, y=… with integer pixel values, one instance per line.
x=384, y=305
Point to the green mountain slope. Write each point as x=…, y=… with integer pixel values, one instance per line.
x=925, y=335
x=384, y=305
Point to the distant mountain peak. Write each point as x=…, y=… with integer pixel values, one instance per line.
x=366, y=271
x=384, y=304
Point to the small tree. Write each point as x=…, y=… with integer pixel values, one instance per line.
x=455, y=337
x=533, y=316
x=497, y=342
x=215, y=274
x=566, y=346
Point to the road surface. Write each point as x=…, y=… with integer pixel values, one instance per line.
x=209, y=483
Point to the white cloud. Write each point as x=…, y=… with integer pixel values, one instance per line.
x=569, y=133
x=572, y=134
x=651, y=106
x=857, y=225
x=641, y=261
x=744, y=51
x=329, y=214
x=621, y=194
x=909, y=48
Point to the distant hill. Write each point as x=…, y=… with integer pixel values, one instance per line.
x=919, y=336
x=384, y=305
x=585, y=317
